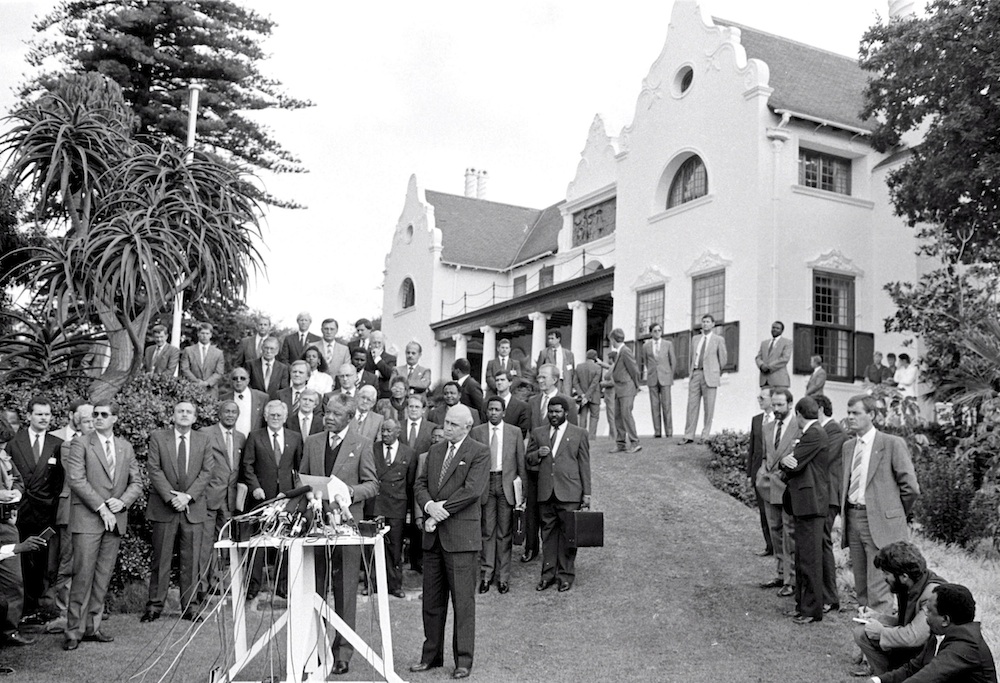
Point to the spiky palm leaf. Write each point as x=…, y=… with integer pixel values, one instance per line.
x=36, y=351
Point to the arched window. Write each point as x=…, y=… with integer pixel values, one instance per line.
x=407, y=294
x=690, y=182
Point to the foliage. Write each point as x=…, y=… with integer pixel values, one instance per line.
x=728, y=469
x=134, y=556
x=154, y=50
x=946, y=495
x=44, y=351
x=59, y=392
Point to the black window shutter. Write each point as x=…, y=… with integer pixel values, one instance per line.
x=802, y=348
x=864, y=349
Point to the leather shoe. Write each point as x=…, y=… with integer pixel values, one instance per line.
x=793, y=613
x=617, y=449
x=71, y=644
x=564, y=586
x=862, y=671
x=765, y=553
x=503, y=587
x=803, y=620
x=685, y=442
x=423, y=666
x=786, y=592
x=98, y=637
x=341, y=668
x=398, y=594
x=773, y=583
x=149, y=616
x=16, y=638
x=484, y=587
x=192, y=616
x=529, y=555
x=635, y=449
x=832, y=607
x=544, y=583
x=460, y=672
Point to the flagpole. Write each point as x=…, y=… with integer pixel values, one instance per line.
x=192, y=126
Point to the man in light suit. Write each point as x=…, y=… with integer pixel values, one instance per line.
x=707, y=360
x=203, y=363
x=817, y=380
x=226, y=444
x=335, y=353
x=383, y=364
x=449, y=491
x=587, y=385
x=506, y=446
x=773, y=357
x=250, y=401
x=879, y=490
x=251, y=348
x=418, y=378
x=755, y=456
x=294, y=345
x=660, y=363
x=779, y=440
x=161, y=358
x=555, y=354
x=503, y=361
x=180, y=467
x=342, y=452
x=625, y=374
x=367, y=422
x=267, y=374
x=104, y=480
x=561, y=452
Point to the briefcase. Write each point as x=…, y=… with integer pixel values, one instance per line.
x=584, y=528
x=518, y=527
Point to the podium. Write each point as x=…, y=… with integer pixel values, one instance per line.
x=307, y=616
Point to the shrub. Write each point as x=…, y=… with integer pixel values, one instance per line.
x=60, y=393
x=946, y=495
x=728, y=469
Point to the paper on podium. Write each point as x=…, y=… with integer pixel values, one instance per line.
x=328, y=487
x=518, y=492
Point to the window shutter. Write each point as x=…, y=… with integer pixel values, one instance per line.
x=864, y=349
x=731, y=335
x=802, y=348
x=682, y=349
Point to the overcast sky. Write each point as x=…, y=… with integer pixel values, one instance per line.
x=431, y=88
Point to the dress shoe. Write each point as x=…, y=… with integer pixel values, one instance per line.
x=365, y=591
x=765, y=553
x=98, y=637
x=803, y=620
x=460, y=672
x=773, y=583
x=786, y=592
x=423, y=666
x=251, y=595
x=398, y=594
x=657, y=436
x=193, y=616
x=16, y=638
x=36, y=619
x=686, y=441
x=503, y=587
x=564, y=586
x=617, y=449
x=544, y=583
x=281, y=593
x=793, y=613
x=341, y=668
x=635, y=449
x=71, y=644
x=149, y=616
x=529, y=555
x=861, y=671
x=832, y=607
x=484, y=587
x=56, y=625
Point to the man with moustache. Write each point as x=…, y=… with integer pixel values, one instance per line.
x=755, y=456
x=418, y=378
x=451, y=394
x=250, y=401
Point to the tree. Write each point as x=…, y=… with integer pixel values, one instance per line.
x=154, y=49
x=141, y=224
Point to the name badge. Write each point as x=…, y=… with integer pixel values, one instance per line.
x=52, y=461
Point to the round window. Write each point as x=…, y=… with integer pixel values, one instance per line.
x=683, y=79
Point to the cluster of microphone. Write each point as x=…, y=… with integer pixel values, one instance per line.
x=300, y=512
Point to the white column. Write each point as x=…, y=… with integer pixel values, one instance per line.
x=537, y=334
x=489, y=348
x=461, y=347
x=578, y=335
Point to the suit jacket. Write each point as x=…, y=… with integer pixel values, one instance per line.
x=258, y=399
x=776, y=361
x=715, y=358
x=471, y=395
x=42, y=480
x=418, y=381
x=367, y=379
x=535, y=417
x=89, y=475
x=161, y=466
x=286, y=396
x=516, y=414
x=962, y=657
x=466, y=478
x=587, y=381
x=755, y=448
x=292, y=348
x=166, y=362
x=246, y=351
x=548, y=355
x=371, y=428
x=210, y=371
x=511, y=460
x=341, y=355
x=220, y=494
x=625, y=373
x=890, y=489
x=437, y=413
x=835, y=437
x=355, y=465
x=280, y=377
x=423, y=441
x=295, y=424
x=659, y=371
x=493, y=367
x=395, y=482
x=383, y=369
x=807, y=484
x=565, y=473
x=63, y=507
x=817, y=380
x=769, y=482
x=261, y=470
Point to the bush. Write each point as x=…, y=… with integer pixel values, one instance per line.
x=728, y=469
x=60, y=394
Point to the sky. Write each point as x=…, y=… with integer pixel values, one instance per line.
x=430, y=89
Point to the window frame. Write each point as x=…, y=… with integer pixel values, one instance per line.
x=825, y=330
x=807, y=156
x=691, y=165
x=404, y=291
x=696, y=313
x=642, y=332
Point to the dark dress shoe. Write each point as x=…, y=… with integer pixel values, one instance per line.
x=685, y=442
x=793, y=613
x=503, y=587
x=544, y=583
x=423, y=666
x=98, y=637
x=529, y=555
x=71, y=644
x=833, y=606
x=192, y=616
x=16, y=638
x=564, y=586
x=398, y=594
x=657, y=436
x=36, y=619
x=786, y=592
x=765, y=553
x=460, y=672
x=251, y=595
x=773, y=583
x=484, y=587
x=149, y=616
x=803, y=620
x=341, y=668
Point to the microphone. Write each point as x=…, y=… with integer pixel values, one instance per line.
x=294, y=493
x=345, y=508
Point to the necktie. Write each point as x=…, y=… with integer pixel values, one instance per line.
x=412, y=439
x=777, y=434
x=277, y=447
x=302, y=338
x=182, y=460
x=37, y=448
x=444, y=465
x=334, y=441
x=552, y=440
x=267, y=374
x=545, y=406
x=111, y=458
x=329, y=353
x=409, y=372
x=503, y=363
x=229, y=447
x=305, y=425
x=656, y=348
x=260, y=346
x=202, y=349
x=388, y=456
x=295, y=400
x=855, y=488
x=771, y=347
x=156, y=354
x=701, y=353
x=495, y=450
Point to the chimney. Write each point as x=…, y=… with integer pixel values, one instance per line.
x=482, y=179
x=470, y=182
x=902, y=9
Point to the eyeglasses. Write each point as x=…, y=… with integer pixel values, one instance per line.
x=102, y=413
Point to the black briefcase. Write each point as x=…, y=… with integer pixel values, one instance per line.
x=584, y=528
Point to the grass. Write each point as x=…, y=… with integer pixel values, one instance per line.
x=672, y=596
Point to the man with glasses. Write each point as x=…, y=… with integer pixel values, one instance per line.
x=249, y=401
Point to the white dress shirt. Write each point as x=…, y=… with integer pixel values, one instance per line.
x=498, y=431
x=867, y=440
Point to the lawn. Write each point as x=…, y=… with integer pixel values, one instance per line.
x=672, y=596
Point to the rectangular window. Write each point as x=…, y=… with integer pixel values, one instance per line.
x=824, y=171
x=833, y=322
x=546, y=276
x=648, y=310
x=520, y=285
x=708, y=296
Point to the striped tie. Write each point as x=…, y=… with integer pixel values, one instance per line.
x=855, y=488
x=444, y=466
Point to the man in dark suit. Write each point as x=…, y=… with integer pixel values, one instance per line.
x=555, y=354
x=360, y=377
x=37, y=459
x=625, y=373
x=451, y=395
x=755, y=456
x=506, y=446
x=396, y=467
x=307, y=419
x=587, y=385
x=449, y=491
x=271, y=457
x=417, y=431
x=516, y=412
x=772, y=359
x=835, y=438
x=161, y=358
x=266, y=373
x=293, y=346
x=251, y=348
x=660, y=363
x=343, y=453
x=226, y=443
x=104, y=483
x=250, y=401
x=180, y=466
x=561, y=451
x=363, y=327
x=298, y=375
x=418, y=378
x=203, y=363
x=382, y=364
x=503, y=361
x=470, y=392
x=805, y=498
